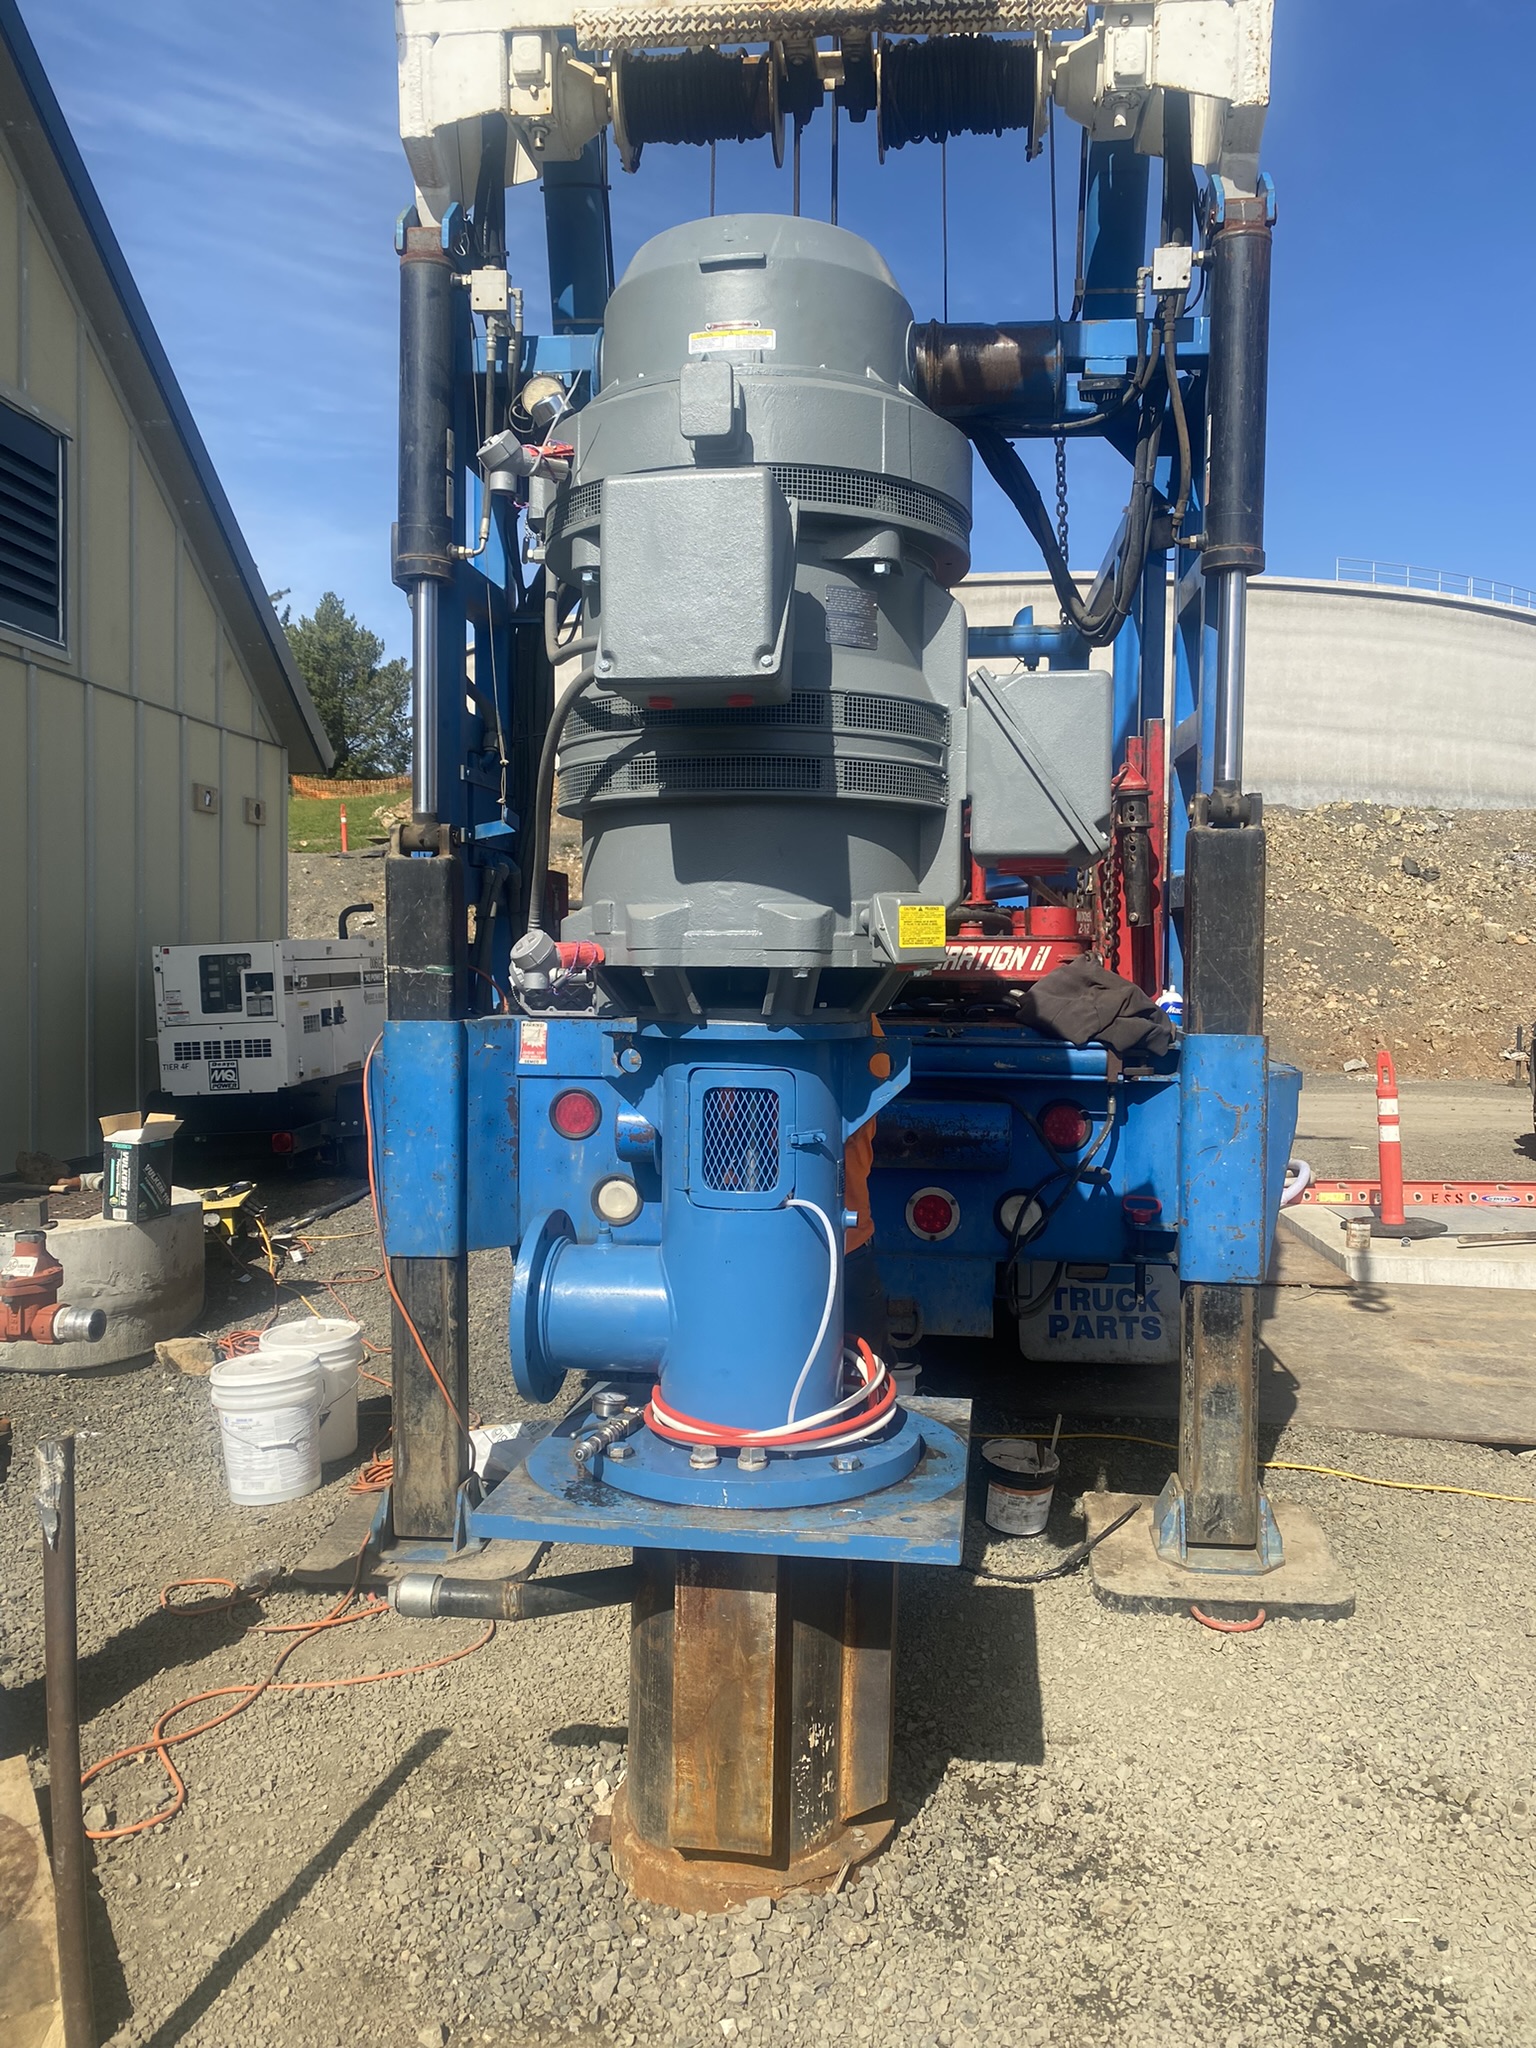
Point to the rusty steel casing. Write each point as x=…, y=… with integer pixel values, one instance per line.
x=760, y=1720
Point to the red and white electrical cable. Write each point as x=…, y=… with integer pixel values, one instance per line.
x=862, y=1413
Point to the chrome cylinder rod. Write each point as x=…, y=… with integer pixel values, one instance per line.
x=1231, y=670
x=424, y=699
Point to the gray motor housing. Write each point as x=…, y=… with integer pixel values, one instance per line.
x=764, y=520
x=1039, y=765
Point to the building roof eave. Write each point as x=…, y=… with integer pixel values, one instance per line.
x=67, y=202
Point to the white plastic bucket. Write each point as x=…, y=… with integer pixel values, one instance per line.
x=906, y=1377
x=269, y=1419
x=336, y=1346
x=1021, y=1477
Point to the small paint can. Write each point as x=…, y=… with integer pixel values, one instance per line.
x=1357, y=1234
x=1021, y=1478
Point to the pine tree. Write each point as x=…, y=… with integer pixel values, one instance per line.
x=364, y=702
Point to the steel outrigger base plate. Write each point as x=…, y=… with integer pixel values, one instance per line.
x=1129, y=1574
x=918, y=1520
x=362, y=1528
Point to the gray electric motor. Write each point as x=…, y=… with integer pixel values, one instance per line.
x=764, y=521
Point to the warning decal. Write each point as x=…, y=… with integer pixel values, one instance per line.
x=731, y=334
x=920, y=924
x=532, y=1044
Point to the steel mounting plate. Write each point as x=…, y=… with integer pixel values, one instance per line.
x=919, y=1520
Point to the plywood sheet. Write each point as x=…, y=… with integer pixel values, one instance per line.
x=30, y=2016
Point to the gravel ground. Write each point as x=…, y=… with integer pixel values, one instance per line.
x=1113, y=1829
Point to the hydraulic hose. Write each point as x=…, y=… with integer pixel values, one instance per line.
x=556, y=649
x=544, y=796
x=427, y=1595
x=1102, y=622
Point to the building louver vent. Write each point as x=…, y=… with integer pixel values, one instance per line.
x=31, y=525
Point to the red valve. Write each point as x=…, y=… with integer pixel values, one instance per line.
x=30, y=1309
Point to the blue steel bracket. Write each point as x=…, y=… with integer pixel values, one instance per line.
x=1170, y=1533
x=1237, y=1116
x=419, y=1115
x=918, y=1520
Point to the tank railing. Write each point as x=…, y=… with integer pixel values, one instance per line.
x=1405, y=576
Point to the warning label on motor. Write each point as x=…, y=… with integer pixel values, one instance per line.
x=726, y=335
x=920, y=924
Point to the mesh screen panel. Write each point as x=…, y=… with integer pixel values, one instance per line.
x=904, y=780
x=739, y=1140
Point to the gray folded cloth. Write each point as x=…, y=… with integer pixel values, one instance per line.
x=1086, y=1004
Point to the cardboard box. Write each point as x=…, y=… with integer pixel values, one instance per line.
x=137, y=1179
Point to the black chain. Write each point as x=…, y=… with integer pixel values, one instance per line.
x=1061, y=497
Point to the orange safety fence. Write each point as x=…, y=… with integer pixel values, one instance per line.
x=320, y=785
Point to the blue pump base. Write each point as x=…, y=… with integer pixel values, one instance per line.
x=919, y=1519
x=657, y=1470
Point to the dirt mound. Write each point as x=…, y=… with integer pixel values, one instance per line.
x=1410, y=929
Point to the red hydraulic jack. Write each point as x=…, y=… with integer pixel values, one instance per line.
x=1390, y=1221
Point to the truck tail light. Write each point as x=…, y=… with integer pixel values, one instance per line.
x=1065, y=1126
x=932, y=1214
x=282, y=1143
x=575, y=1114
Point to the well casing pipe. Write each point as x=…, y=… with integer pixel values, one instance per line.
x=56, y=1513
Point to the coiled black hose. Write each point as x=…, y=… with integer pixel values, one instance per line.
x=695, y=96
x=955, y=85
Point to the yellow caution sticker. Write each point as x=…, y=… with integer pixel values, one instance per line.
x=920, y=924
x=732, y=334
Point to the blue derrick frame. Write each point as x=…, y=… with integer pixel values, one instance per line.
x=467, y=1157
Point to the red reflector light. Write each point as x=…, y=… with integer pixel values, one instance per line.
x=1064, y=1126
x=932, y=1214
x=282, y=1141
x=575, y=1114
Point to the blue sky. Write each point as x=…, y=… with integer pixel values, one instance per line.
x=248, y=159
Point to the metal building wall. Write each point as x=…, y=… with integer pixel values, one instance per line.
x=1358, y=694
x=101, y=741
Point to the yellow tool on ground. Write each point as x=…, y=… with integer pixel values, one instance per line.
x=231, y=1216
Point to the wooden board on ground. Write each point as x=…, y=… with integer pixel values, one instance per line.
x=1443, y=1362
x=1297, y=1263
x=30, y=2013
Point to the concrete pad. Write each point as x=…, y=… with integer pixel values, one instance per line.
x=148, y=1277
x=1428, y=1261
x=1128, y=1573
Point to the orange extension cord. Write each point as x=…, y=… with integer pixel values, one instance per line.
x=159, y=1743
x=376, y=1475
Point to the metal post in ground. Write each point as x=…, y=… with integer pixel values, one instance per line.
x=760, y=1725
x=56, y=1513
x=424, y=898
